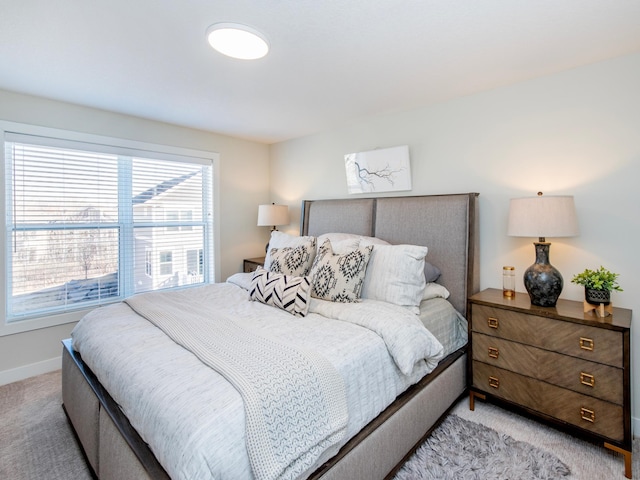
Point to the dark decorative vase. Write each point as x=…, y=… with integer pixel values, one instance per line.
x=596, y=297
x=542, y=280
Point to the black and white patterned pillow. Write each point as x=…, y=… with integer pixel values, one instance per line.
x=282, y=240
x=282, y=291
x=339, y=278
x=294, y=261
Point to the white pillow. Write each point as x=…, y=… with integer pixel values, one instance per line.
x=282, y=240
x=435, y=290
x=395, y=274
x=366, y=241
x=342, y=243
x=336, y=237
x=339, y=237
x=340, y=247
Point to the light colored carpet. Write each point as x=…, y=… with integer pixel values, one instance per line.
x=36, y=441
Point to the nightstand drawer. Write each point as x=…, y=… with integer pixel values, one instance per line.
x=586, y=412
x=582, y=376
x=591, y=343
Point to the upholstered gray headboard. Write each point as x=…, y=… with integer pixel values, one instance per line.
x=446, y=224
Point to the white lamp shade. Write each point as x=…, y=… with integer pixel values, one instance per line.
x=543, y=216
x=273, y=215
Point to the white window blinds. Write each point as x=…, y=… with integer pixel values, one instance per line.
x=89, y=224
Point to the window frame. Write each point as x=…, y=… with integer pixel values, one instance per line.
x=144, y=149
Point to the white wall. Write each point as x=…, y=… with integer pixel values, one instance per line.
x=575, y=133
x=243, y=184
x=570, y=133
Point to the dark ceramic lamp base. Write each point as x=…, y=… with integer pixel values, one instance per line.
x=542, y=280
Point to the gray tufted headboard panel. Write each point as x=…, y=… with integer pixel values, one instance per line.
x=446, y=224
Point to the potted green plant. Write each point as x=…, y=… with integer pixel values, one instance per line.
x=597, y=284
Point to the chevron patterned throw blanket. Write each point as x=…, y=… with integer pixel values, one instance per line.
x=295, y=401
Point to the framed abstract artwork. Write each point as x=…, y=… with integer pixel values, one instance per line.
x=381, y=170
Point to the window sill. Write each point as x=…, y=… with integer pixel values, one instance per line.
x=37, y=323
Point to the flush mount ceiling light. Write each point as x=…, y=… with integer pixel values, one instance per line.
x=237, y=41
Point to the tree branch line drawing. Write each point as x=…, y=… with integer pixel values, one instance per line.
x=380, y=170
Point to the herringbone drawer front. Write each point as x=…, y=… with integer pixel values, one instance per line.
x=587, y=412
x=582, y=376
x=590, y=343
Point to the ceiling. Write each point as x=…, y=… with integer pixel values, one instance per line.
x=330, y=61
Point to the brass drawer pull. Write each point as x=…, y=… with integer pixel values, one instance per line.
x=587, y=379
x=494, y=382
x=586, y=343
x=493, y=352
x=492, y=322
x=587, y=415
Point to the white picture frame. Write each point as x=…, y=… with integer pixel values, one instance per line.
x=381, y=170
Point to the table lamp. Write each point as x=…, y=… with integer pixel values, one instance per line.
x=272, y=215
x=543, y=216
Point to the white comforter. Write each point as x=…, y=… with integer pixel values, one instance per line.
x=194, y=420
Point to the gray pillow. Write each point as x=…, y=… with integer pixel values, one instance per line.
x=431, y=272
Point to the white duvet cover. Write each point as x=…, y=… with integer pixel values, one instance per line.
x=194, y=420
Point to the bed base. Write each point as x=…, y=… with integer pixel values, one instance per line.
x=115, y=451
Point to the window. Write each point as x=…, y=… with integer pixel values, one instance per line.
x=195, y=265
x=148, y=270
x=166, y=263
x=186, y=216
x=86, y=223
x=174, y=218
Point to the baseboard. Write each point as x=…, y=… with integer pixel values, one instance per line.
x=31, y=370
x=635, y=427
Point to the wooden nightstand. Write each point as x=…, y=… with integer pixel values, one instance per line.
x=559, y=364
x=251, y=264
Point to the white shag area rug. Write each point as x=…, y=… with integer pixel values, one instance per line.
x=461, y=449
x=586, y=460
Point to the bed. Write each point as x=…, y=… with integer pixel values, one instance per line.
x=102, y=410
